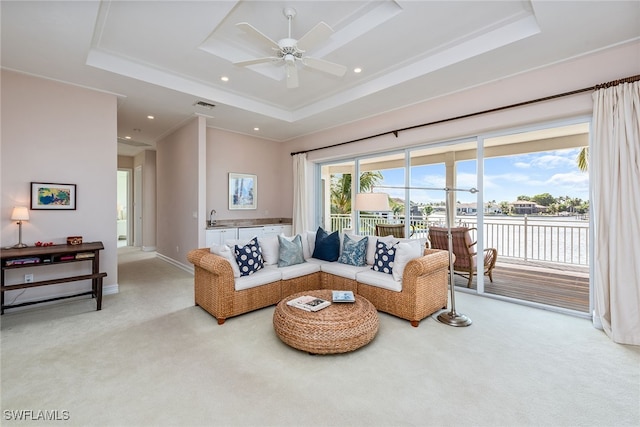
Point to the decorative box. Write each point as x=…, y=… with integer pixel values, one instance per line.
x=74, y=240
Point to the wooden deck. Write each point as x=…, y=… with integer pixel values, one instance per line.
x=537, y=283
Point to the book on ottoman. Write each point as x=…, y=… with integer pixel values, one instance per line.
x=309, y=303
x=343, y=296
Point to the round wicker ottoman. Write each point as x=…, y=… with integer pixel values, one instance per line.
x=339, y=328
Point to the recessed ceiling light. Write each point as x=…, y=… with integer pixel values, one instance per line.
x=256, y=129
x=224, y=78
x=127, y=137
x=150, y=117
x=357, y=70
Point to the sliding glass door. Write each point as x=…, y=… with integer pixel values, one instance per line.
x=532, y=206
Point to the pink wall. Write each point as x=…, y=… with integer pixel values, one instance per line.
x=231, y=152
x=59, y=133
x=177, y=173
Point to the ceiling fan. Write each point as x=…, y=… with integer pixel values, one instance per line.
x=289, y=50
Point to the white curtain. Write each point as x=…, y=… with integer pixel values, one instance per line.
x=614, y=163
x=300, y=201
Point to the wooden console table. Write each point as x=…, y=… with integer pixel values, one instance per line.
x=42, y=256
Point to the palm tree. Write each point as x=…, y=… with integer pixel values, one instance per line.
x=341, y=194
x=397, y=208
x=341, y=189
x=583, y=159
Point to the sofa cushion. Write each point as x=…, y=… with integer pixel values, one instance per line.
x=266, y=275
x=225, y=252
x=249, y=257
x=270, y=249
x=354, y=250
x=317, y=261
x=343, y=270
x=299, y=270
x=327, y=245
x=373, y=241
x=290, y=251
x=380, y=280
x=405, y=252
x=384, y=256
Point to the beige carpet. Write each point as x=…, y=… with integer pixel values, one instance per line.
x=150, y=357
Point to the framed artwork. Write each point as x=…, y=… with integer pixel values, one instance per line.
x=243, y=191
x=50, y=196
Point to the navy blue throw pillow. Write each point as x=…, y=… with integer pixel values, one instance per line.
x=249, y=257
x=384, y=257
x=327, y=246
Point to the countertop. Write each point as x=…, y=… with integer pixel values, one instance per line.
x=248, y=223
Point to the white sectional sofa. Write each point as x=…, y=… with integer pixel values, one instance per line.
x=416, y=288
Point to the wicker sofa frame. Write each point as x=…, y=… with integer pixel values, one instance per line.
x=424, y=288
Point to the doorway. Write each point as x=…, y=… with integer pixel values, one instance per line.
x=123, y=206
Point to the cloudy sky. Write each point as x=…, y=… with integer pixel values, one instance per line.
x=505, y=178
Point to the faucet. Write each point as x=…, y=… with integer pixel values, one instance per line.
x=211, y=215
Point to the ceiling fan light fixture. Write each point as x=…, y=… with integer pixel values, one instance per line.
x=290, y=50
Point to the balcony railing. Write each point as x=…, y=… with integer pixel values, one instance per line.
x=548, y=239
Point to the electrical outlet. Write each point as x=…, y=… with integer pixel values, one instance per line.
x=28, y=278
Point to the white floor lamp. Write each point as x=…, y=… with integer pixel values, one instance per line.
x=452, y=317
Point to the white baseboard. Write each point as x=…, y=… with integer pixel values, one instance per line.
x=110, y=289
x=187, y=268
x=148, y=248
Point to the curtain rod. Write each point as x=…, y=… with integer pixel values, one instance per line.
x=478, y=113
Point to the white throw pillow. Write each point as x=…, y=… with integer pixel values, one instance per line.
x=371, y=245
x=405, y=252
x=306, y=249
x=311, y=242
x=232, y=243
x=270, y=249
x=225, y=252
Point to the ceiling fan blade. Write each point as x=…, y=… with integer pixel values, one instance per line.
x=315, y=36
x=292, y=75
x=325, y=66
x=257, y=61
x=256, y=35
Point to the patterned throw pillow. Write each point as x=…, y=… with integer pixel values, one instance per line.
x=290, y=251
x=327, y=246
x=384, y=257
x=354, y=252
x=249, y=257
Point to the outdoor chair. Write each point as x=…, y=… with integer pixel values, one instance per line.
x=395, y=230
x=463, y=249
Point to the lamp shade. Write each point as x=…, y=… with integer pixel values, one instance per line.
x=20, y=213
x=372, y=202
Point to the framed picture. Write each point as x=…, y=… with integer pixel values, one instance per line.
x=50, y=196
x=243, y=191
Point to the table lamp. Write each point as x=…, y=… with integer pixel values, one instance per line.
x=372, y=202
x=20, y=213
